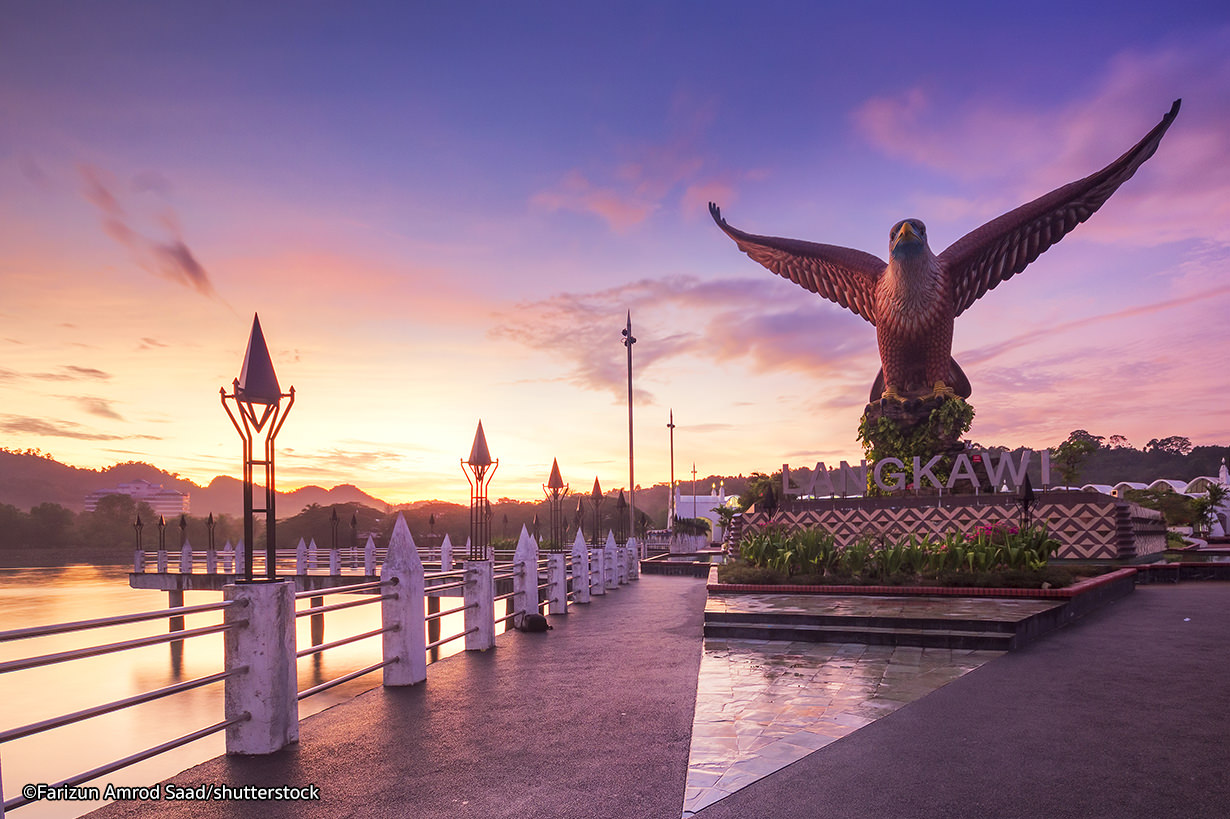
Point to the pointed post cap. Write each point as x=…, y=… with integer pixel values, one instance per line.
x=621, y=503
x=597, y=493
x=556, y=481
x=479, y=454
x=257, y=384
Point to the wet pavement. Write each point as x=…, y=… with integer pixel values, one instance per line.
x=939, y=608
x=761, y=705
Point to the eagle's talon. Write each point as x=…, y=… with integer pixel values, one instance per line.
x=942, y=390
x=890, y=394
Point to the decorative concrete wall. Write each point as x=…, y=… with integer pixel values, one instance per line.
x=1088, y=525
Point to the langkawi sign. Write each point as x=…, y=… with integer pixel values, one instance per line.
x=889, y=474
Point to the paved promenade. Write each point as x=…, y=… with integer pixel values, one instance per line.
x=592, y=719
x=1122, y=714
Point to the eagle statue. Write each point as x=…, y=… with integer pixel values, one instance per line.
x=914, y=298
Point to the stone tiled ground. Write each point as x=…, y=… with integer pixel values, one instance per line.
x=948, y=608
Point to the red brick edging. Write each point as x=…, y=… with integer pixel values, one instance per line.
x=920, y=591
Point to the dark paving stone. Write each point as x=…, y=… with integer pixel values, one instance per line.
x=1120, y=714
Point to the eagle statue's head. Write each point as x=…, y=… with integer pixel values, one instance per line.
x=907, y=238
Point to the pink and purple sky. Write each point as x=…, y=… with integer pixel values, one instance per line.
x=442, y=213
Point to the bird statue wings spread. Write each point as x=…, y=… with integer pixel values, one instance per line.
x=976, y=263
x=914, y=297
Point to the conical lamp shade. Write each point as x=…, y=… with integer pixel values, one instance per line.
x=479, y=454
x=556, y=481
x=258, y=384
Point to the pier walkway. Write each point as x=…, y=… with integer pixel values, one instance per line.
x=1121, y=714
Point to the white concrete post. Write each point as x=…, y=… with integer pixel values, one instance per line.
x=580, y=570
x=407, y=644
x=301, y=557
x=446, y=555
x=557, y=583
x=138, y=566
x=634, y=554
x=239, y=562
x=335, y=562
x=480, y=605
x=312, y=557
x=619, y=566
x=525, y=575
x=267, y=690
x=369, y=556
x=185, y=558
x=162, y=561
x=608, y=559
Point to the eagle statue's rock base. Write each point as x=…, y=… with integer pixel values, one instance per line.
x=915, y=428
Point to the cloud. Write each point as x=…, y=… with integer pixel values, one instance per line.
x=97, y=406
x=574, y=192
x=150, y=344
x=991, y=351
x=1005, y=153
x=73, y=373
x=753, y=321
x=170, y=258
x=59, y=429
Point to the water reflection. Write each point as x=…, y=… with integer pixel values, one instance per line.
x=30, y=597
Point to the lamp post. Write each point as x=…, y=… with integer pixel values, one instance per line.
x=137, y=527
x=672, y=512
x=162, y=534
x=257, y=387
x=621, y=522
x=556, y=490
x=595, y=497
x=210, y=523
x=629, y=340
x=483, y=468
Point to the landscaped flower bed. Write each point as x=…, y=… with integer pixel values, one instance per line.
x=1000, y=556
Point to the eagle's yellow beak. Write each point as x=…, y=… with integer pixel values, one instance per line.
x=906, y=233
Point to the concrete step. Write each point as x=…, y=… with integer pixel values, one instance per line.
x=848, y=632
x=865, y=621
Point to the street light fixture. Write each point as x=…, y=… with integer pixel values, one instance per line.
x=556, y=490
x=595, y=498
x=258, y=400
x=482, y=466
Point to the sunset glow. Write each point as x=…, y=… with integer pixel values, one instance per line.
x=444, y=215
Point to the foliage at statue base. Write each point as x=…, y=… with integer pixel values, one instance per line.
x=917, y=428
x=1002, y=556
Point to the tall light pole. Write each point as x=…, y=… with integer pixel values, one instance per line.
x=629, y=340
x=693, y=490
x=670, y=503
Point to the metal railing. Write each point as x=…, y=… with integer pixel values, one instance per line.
x=258, y=722
x=127, y=702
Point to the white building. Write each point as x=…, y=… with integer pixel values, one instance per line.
x=163, y=501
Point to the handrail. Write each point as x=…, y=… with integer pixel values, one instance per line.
x=141, y=756
x=109, y=648
x=99, y=710
x=308, y=652
x=357, y=587
x=436, y=615
x=348, y=605
x=444, y=640
x=117, y=620
x=345, y=678
x=445, y=587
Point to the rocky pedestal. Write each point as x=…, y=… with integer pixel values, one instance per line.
x=916, y=428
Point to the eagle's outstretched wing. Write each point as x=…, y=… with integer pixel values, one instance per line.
x=840, y=274
x=1001, y=248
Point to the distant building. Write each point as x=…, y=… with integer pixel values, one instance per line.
x=163, y=501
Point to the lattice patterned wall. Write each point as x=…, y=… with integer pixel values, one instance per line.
x=1088, y=525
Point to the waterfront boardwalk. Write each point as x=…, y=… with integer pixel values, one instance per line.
x=1121, y=714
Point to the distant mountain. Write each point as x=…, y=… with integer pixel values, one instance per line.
x=28, y=479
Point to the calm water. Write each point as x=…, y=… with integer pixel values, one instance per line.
x=30, y=597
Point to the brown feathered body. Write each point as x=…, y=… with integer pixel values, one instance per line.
x=914, y=321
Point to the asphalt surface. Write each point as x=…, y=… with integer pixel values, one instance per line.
x=591, y=719
x=1124, y=713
